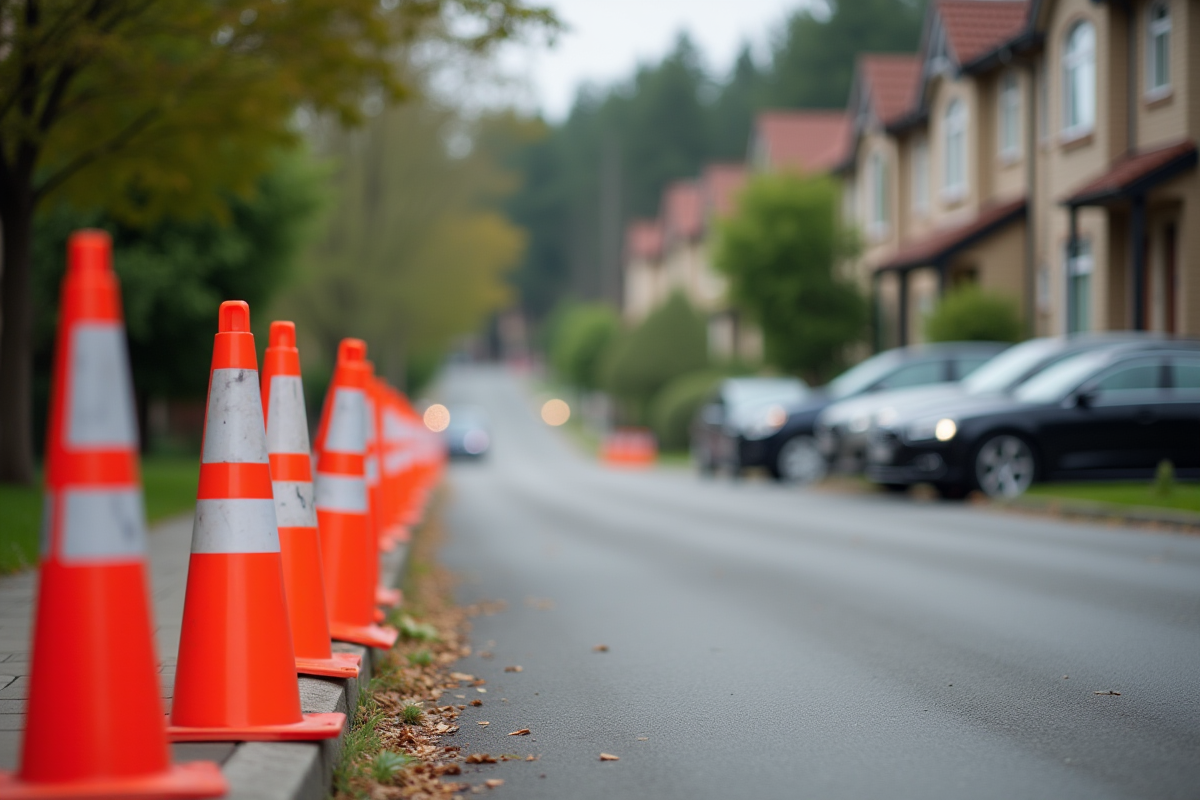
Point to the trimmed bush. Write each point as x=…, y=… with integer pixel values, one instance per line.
x=675, y=407
x=671, y=342
x=581, y=335
x=971, y=314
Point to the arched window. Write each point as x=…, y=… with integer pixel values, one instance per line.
x=1079, y=79
x=879, y=194
x=954, y=132
x=1158, y=48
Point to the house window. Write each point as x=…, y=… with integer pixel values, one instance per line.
x=1009, y=116
x=954, y=129
x=920, y=177
x=1158, y=49
x=1043, y=104
x=879, y=195
x=1079, y=275
x=1079, y=80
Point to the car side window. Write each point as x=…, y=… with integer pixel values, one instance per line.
x=917, y=374
x=965, y=365
x=1185, y=378
x=1129, y=380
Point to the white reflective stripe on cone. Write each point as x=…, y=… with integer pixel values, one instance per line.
x=101, y=525
x=371, y=470
x=370, y=420
x=233, y=424
x=100, y=409
x=341, y=493
x=347, y=429
x=235, y=525
x=396, y=461
x=287, y=424
x=294, y=504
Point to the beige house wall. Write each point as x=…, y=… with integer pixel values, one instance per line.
x=1164, y=118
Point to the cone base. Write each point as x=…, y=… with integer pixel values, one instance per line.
x=195, y=779
x=370, y=635
x=313, y=726
x=378, y=615
x=342, y=665
x=386, y=544
x=386, y=596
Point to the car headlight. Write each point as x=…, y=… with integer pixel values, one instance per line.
x=860, y=423
x=886, y=418
x=943, y=430
x=765, y=423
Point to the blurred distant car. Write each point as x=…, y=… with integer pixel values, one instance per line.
x=842, y=429
x=468, y=434
x=1110, y=413
x=784, y=444
x=741, y=410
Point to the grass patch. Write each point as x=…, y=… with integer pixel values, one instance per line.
x=1184, y=496
x=169, y=483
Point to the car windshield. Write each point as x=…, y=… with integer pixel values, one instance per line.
x=858, y=378
x=999, y=374
x=760, y=391
x=1054, y=382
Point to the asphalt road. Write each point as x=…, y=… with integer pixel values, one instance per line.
x=772, y=642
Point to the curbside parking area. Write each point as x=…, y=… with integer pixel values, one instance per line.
x=259, y=770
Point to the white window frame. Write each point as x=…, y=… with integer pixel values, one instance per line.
x=1008, y=117
x=1158, y=41
x=954, y=150
x=1079, y=80
x=920, y=177
x=878, y=220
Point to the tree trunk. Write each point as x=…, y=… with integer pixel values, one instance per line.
x=16, y=339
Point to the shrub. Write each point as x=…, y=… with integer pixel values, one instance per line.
x=676, y=405
x=672, y=341
x=971, y=314
x=579, y=338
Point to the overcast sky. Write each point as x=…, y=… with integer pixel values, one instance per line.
x=607, y=38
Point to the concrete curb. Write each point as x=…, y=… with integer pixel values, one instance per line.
x=296, y=770
x=1098, y=510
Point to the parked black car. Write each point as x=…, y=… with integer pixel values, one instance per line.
x=843, y=429
x=1111, y=413
x=779, y=435
x=741, y=408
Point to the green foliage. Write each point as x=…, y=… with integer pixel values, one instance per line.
x=416, y=631
x=676, y=405
x=387, y=763
x=971, y=314
x=582, y=334
x=780, y=252
x=670, y=342
x=1164, y=478
x=411, y=714
x=421, y=658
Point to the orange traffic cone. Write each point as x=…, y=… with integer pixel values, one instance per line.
x=395, y=464
x=236, y=675
x=95, y=725
x=384, y=595
x=349, y=548
x=291, y=479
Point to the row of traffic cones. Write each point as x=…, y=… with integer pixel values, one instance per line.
x=281, y=564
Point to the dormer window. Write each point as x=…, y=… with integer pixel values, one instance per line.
x=954, y=151
x=1158, y=49
x=1079, y=80
x=1009, y=116
x=878, y=226
x=920, y=178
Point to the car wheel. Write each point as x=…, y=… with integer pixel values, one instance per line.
x=894, y=488
x=1004, y=466
x=800, y=461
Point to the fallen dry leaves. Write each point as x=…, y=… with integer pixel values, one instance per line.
x=513, y=669
x=494, y=783
x=600, y=648
x=609, y=757
x=522, y=732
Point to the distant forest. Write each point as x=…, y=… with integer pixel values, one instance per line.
x=608, y=162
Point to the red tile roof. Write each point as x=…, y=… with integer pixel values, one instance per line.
x=1130, y=169
x=976, y=27
x=722, y=182
x=947, y=241
x=809, y=141
x=891, y=81
x=682, y=211
x=643, y=239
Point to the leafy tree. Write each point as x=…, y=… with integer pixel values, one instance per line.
x=971, y=314
x=147, y=107
x=176, y=272
x=676, y=405
x=813, y=59
x=582, y=336
x=780, y=251
x=670, y=342
x=414, y=253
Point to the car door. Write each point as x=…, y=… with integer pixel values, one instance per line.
x=1115, y=425
x=1180, y=411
